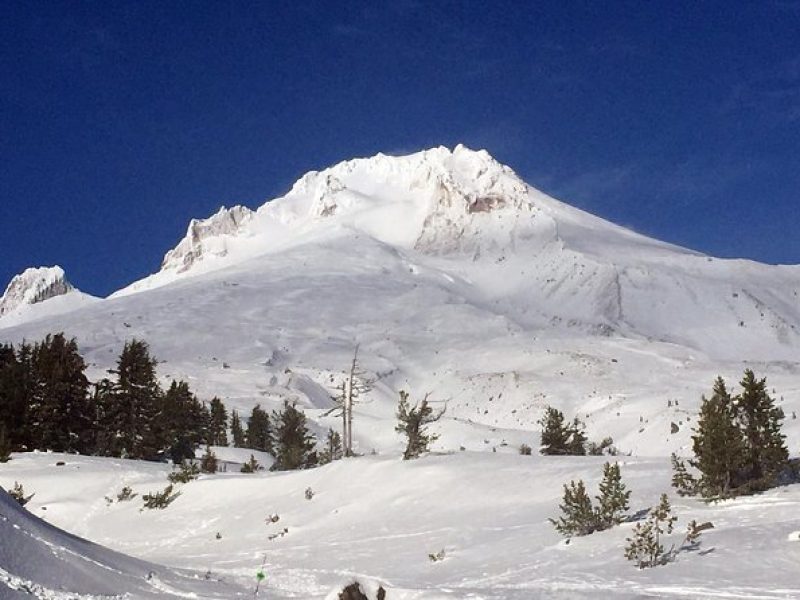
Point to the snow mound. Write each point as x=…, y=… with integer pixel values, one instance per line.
x=41, y=561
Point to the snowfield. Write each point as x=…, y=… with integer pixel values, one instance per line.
x=376, y=518
x=455, y=278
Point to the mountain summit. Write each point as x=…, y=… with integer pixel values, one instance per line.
x=35, y=286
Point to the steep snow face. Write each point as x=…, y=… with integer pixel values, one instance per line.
x=39, y=292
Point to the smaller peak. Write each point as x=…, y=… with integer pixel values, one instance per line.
x=34, y=285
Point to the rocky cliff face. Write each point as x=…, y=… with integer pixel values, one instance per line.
x=34, y=286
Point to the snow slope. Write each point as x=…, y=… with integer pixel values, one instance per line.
x=39, y=560
x=376, y=518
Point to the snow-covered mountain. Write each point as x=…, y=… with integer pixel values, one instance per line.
x=27, y=292
x=455, y=277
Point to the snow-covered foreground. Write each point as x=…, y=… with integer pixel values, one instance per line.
x=377, y=518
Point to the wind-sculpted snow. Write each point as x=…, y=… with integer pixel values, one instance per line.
x=39, y=560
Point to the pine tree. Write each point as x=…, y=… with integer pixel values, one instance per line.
x=251, y=466
x=614, y=498
x=237, y=433
x=718, y=445
x=682, y=480
x=208, y=462
x=218, y=426
x=5, y=445
x=333, y=448
x=760, y=420
x=644, y=546
x=59, y=414
x=413, y=421
x=560, y=438
x=259, y=431
x=137, y=400
x=14, y=394
x=578, y=515
x=183, y=424
x=293, y=444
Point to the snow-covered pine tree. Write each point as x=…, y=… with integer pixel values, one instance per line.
x=333, y=448
x=251, y=466
x=413, y=421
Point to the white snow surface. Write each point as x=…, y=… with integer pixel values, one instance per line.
x=376, y=518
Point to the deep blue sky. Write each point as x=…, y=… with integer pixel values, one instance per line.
x=121, y=121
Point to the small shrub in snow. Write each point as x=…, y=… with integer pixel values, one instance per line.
x=525, y=450
x=125, y=494
x=580, y=517
x=604, y=447
x=208, y=463
x=438, y=556
x=251, y=466
x=644, y=546
x=187, y=472
x=354, y=591
x=18, y=494
x=412, y=423
x=309, y=493
x=160, y=499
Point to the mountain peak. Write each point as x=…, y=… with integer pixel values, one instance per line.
x=33, y=286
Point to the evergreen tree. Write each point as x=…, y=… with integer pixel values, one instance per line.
x=292, y=442
x=413, y=421
x=259, y=431
x=237, y=433
x=5, y=445
x=718, y=445
x=137, y=400
x=251, y=466
x=644, y=546
x=560, y=438
x=184, y=422
x=765, y=452
x=578, y=515
x=15, y=383
x=218, y=425
x=614, y=498
x=682, y=480
x=333, y=448
x=59, y=415
x=209, y=463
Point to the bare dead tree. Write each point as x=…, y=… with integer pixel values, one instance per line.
x=353, y=386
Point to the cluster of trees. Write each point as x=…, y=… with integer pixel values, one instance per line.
x=738, y=445
x=47, y=403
